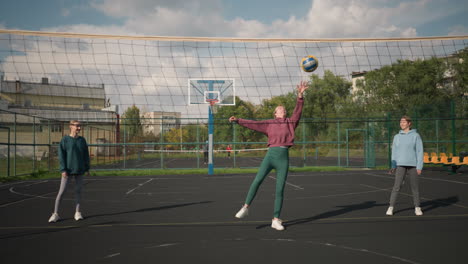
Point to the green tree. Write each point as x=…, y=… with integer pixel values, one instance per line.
x=404, y=87
x=176, y=135
x=267, y=108
x=132, y=124
x=224, y=130
x=196, y=132
x=460, y=67
x=326, y=96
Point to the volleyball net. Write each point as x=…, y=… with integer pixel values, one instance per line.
x=151, y=73
x=132, y=91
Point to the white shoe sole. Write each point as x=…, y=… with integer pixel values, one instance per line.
x=389, y=212
x=53, y=220
x=278, y=227
x=242, y=213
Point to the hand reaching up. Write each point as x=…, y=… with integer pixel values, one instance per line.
x=301, y=87
x=232, y=119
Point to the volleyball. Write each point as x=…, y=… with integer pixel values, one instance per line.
x=309, y=63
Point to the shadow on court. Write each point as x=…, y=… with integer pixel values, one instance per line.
x=150, y=209
x=47, y=230
x=344, y=209
x=36, y=232
x=433, y=204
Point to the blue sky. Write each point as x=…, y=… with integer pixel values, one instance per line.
x=241, y=18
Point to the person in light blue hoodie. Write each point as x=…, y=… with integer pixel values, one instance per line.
x=407, y=159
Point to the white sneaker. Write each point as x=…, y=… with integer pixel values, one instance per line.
x=390, y=210
x=243, y=212
x=277, y=224
x=78, y=216
x=54, y=218
x=418, y=211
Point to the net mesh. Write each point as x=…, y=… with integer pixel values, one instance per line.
x=132, y=97
x=94, y=72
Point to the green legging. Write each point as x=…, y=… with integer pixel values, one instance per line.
x=276, y=158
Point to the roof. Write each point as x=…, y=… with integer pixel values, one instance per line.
x=52, y=89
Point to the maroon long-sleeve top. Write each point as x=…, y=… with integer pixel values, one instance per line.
x=280, y=131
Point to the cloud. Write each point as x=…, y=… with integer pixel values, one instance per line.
x=340, y=19
x=169, y=22
x=325, y=19
x=138, y=8
x=154, y=74
x=458, y=30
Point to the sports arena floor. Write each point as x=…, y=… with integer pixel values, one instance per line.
x=330, y=217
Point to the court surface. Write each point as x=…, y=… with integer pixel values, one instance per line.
x=330, y=217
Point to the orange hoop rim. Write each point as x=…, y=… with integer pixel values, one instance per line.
x=212, y=101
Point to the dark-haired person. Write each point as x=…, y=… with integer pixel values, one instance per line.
x=407, y=159
x=280, y=132
x=73, y=156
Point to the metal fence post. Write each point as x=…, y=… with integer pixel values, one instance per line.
x=34, y=144
x=339, y=145
x=304, y=155
x=14, y=157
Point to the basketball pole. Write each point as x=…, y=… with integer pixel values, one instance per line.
x=210, y=125
x=210, y=141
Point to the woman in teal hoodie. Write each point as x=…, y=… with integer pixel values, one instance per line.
x=407, y=159
x=73, y=156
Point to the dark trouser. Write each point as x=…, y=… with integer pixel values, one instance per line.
x=401, y=172
x=276, y=158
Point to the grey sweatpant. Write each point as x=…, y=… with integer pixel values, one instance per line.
x=63, y=187
x=400, y=174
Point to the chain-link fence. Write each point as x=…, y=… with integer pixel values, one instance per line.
x=30, y=143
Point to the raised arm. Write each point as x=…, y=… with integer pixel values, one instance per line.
x=296, y=116
x=260, y=126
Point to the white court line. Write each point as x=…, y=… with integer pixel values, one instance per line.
x=321, y=174
x=27, y=199
x=295, y=186
x=11, y=183
x=420, y=177
x=217, y=177
x=139, y=185
x=112, y=255
x=172, y=224
x=32, y=183
x=365, y=251
x=344, y=247
x=117, y=178
x=35, y=183
x=331, y=195
x=31, y=195
x=164, y=245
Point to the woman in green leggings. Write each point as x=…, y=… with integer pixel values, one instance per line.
x=280, y=132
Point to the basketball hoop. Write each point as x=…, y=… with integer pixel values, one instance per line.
x=213, y=105
x=212, y=101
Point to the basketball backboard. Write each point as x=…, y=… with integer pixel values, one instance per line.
x=202, y=91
